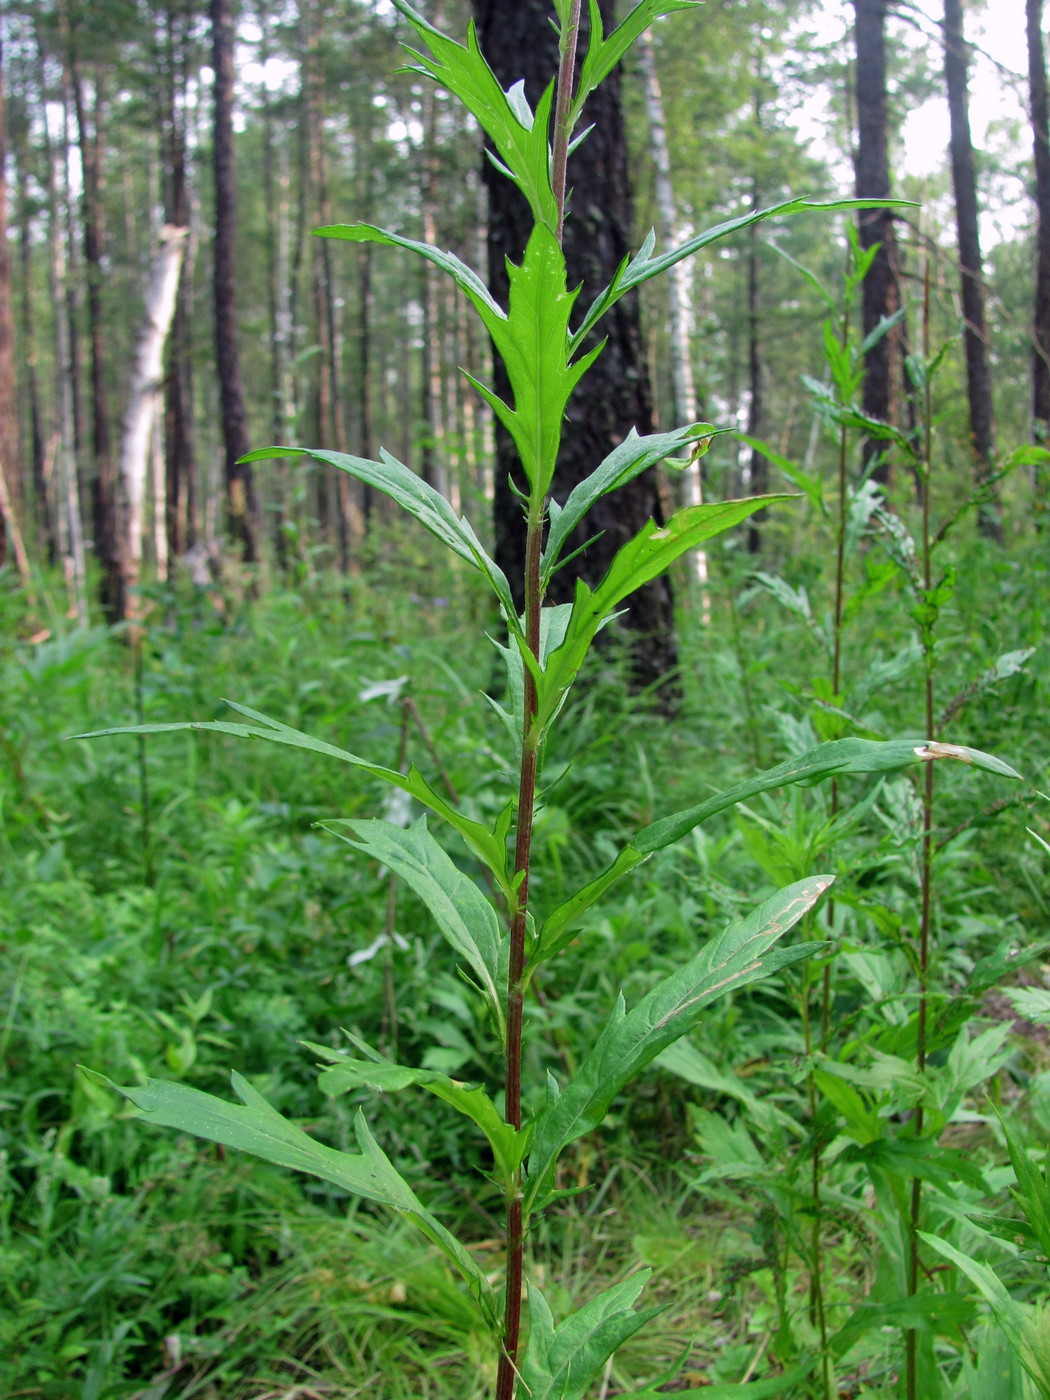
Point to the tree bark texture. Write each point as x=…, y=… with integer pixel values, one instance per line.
x=241, y=502
x=1040, y=109
x=10, y=454
x=104, y=482
x=614, y=396
x=144, y=400
x=975, y=331
x=880, y=294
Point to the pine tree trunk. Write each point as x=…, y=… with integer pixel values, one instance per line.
x=520, y=42
x=975, y=333
x=104, y=484
x=880, y=294
x=1041, y=311
x=182, y=508
x=242, y=505
x=43, y=513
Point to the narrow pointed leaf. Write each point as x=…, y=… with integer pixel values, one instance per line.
x=254, y=1126
x=741, y=954
x=642, y=558
x=633, y=456
x=644, y=265
x=839, y=757
x=489, y=846
x=560, y=1362
x=603, y=54
x=533, y=343
x=1025, y=1333
x=383, y=1076
x=465, y=917
x=420, y=500
x=520, y=136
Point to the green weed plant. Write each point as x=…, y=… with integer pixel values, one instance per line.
x=501, y=934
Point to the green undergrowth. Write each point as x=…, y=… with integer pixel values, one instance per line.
x=172, y=916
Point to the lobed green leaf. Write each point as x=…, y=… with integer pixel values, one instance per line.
x=520, y=136
x=642, y=558
x=643, y=266
x=419, y=499
x=489, y=846
x=626, y=461
x=840, y=757
x=254, y=1126
x=383, y=1076
x=741, y=954
x=603, y=54
x=560, y=1362
x=465, y=917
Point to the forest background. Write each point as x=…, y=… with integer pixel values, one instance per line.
x=164, y=309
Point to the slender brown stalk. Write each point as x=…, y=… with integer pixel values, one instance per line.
x=506, y=1375
x=911, y=1358
x=562, y=110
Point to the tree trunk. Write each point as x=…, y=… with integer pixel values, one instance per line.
x=104, y=483
x=10, y=451
x=144, y=401
x=1041, y=313
x=43, y=514
x=880, y=294
x=181, y=509
x=614, y=396
x=242, y=505
x=975, y=334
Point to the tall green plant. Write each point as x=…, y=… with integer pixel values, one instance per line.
x=546, y=348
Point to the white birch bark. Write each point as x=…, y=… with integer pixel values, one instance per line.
x=144, y=394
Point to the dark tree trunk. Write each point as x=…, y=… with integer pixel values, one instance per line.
x=975, y=334
x=880, y=293
x=241, y=503
x=1041, y=316
x=10, y=453
x=758, y=483
x=43, y=514
x=520, y=42
x=181, y=495
x=104, y=498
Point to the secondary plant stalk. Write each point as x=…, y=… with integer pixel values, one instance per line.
x=911, y=1369
x=506, y=1374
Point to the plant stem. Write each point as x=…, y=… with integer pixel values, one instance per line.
x=563, y=110
x=911, y=1369
x=506, y=1375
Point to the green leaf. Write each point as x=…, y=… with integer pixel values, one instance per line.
x=254, y=1126
x=840, y=757
x=560, y=1362
x=741, y=954
x=519, y=135
x=489, y=846
x=918, y=1157
x=603, y=54
x=465, y=917
x=383, y=1076
x=647, y=555
x=468, y=281
x=1028, y=1335
x=633, y=456
x=420, y=500
x=533, y=342
x=812, y=486
x=1032, y=1192
x=928, y=1311
x=643, y=266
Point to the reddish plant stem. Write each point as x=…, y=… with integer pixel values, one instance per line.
x=562, y=112
x=507, y=1373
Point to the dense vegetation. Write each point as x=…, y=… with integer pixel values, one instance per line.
x=221, y=928
x=834, y=1184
